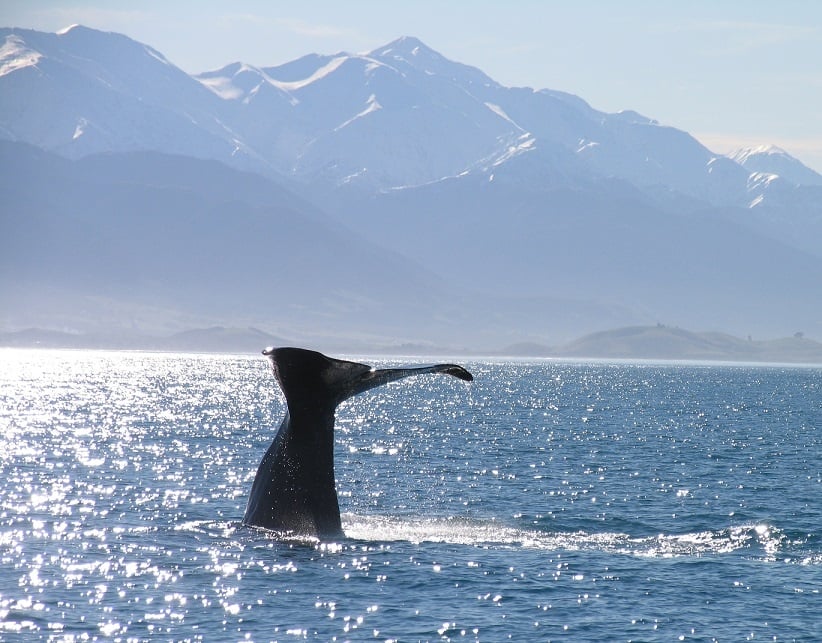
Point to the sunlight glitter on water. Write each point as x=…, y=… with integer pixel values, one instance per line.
x=469, y=511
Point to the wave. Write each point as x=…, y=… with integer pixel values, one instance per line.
x=760, y=540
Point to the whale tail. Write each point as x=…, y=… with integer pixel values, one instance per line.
x=294, y=491
x=309, y=377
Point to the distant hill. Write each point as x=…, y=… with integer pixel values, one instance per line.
x=637, y=342
x=662, y=342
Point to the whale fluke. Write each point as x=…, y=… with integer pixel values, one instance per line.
x=294, y=491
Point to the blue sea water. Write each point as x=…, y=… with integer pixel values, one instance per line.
x=545, y=501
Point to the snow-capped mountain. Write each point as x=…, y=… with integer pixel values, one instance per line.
x=372, y=118
x=82, y=91
x=401, y=115
x=772, y=160
x=522, y=213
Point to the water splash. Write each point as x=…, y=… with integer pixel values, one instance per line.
x=759, y=540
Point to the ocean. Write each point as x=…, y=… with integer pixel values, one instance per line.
x=547, y=500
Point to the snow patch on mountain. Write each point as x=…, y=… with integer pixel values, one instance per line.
x=80, y=129
x=501, y=113
x=759, y=180
x=322, y=72
x=224, y=85
x=372, y=105
x=523, y=144
x=767, y=188
x=586, y=145
x=15, y=54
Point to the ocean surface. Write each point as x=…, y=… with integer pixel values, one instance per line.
x=545, y=501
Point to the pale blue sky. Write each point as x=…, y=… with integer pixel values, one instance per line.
x=731, y=73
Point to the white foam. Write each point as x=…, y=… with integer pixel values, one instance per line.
x=463, y=531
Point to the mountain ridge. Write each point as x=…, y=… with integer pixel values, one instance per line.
x=481, y=117
x=505, y=213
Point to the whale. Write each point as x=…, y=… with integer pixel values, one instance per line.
x=294, y=492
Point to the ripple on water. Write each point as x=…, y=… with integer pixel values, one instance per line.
x=546, y=500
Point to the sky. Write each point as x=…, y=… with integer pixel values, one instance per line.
x=733, y=73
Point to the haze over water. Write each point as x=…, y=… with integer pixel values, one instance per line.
x=546, y=500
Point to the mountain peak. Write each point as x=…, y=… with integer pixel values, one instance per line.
x=771, y=159
x=744, y=153
x=92, y=42
x=410, y=53
x=81, y=31
x=78, y=30
x=405, y=46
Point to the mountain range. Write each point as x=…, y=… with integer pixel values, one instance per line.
x=388, y=196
